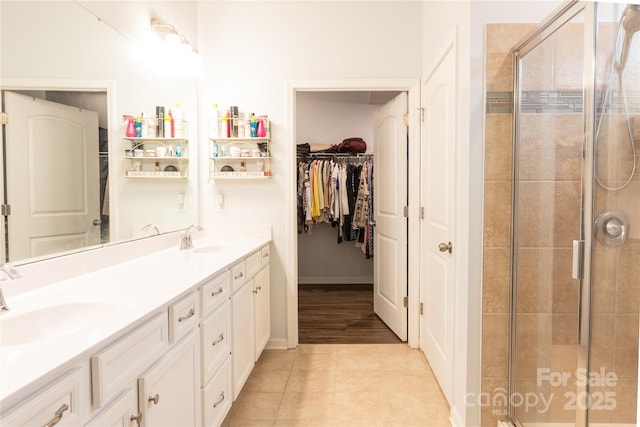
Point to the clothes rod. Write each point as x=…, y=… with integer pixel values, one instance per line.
x=341, y=155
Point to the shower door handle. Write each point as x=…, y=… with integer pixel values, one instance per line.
x=578, y=259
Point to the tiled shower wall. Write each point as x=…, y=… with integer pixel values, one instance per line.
x=616, y=287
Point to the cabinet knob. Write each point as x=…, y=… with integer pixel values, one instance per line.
x=190, y=314
x=155, y=399
x=136, y=418
x=220, y=338
x=218, y=292
x=57, y=416
x=220, y=400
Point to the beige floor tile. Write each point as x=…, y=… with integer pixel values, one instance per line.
x=248, y=423
x=357, y=348
x=363, y=406
x=266, y=380
x=358, y=381
x=312, y=381
x=276, y=359
x=409, y=407
x=315, y=361
x=351, y=361
x=316, y=407
x=409, y=381
x=303, y=423
x=255, y=406
x=402, y=359
x=318, y=348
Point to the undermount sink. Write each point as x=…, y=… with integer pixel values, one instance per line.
x=19, y=327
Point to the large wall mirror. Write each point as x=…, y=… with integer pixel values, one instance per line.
x=67, y=78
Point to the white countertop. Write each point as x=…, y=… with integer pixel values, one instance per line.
x=132, y=292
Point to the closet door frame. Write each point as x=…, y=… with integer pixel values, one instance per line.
x=412, y=87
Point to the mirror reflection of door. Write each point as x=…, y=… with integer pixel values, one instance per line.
x=51, y=177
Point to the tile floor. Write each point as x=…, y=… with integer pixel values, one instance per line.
x=341, y=385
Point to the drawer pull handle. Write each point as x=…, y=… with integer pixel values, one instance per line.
x=155, y=399
x=191, y=313
x=220, y=338
x=218, y=292
x=239, y=276
x=265, y=255
x=136, y=418
x=257, y=289
x=57, y=416
x=220, y=400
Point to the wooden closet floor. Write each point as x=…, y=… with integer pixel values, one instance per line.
x=340, y=314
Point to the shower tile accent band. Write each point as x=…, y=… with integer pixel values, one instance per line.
x=557, y=102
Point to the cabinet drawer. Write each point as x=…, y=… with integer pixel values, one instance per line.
x=264, y=255
x=216, y=396
x=122, y=412
x=238, y=276
x=183, y=316
x=115, y=367
x=66, y=400
x=253, y=263
x=214, y=292
x=215, y=334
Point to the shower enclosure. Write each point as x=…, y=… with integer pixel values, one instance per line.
x=576, y=220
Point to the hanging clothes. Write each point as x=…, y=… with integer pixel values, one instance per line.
x=337, y=191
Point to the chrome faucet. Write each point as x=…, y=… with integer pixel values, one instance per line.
x=11, y=273
x=185, y=239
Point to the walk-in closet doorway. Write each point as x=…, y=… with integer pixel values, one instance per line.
x=335, y=266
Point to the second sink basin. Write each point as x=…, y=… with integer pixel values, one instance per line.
x=24, y=326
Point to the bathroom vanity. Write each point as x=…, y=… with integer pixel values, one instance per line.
x=168, y=338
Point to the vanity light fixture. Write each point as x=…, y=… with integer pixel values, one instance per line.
x=168, y=33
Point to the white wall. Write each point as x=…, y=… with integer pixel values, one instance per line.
x=58, y=41
x=252, y=49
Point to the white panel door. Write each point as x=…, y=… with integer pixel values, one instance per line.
x=53, y=182
x=390, y=198
x=437, y=231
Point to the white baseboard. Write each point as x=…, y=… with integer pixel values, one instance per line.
x=335, y=280
x=277, y=344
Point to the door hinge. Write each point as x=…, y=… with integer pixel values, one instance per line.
x=4, y=118
x=405, y=119
x=421, y=212
x=5, y=210
x=405, y=211
x=421, y=109
x=421, y=308
x=405, y=302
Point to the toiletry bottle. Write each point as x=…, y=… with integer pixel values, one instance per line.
x=243, y=168
x=157, y=167
x=228, y=124
x=233, y=111
x=214, y=150
x=167, y=126
x=178, y=150
x=262, y=131
x=171, y=152
x=172, y=125
x=159, y=121
x=131, y=128
x=144, y=131
x=254, y=125
x=151, y=126
x=138, y=126
x=178, y=117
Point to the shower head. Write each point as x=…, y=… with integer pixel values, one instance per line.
x=630, y=23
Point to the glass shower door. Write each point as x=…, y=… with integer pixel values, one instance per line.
x=548, y=195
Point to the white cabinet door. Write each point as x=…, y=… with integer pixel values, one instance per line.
x=169, y=393
x=121, y=413
x=243, y=336
x=262, y=311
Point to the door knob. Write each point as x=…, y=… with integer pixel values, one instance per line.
x=445, y=247
x=372, y=223
x=155, y=399
x=97, y=222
